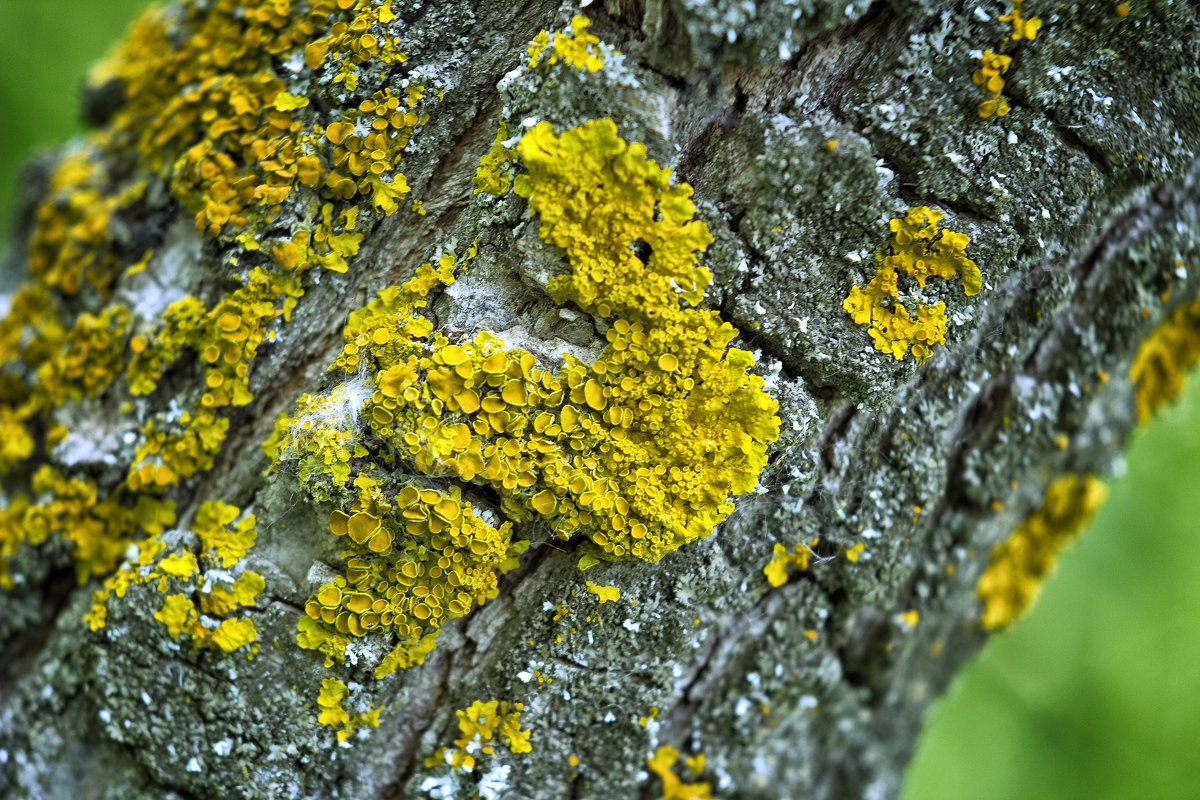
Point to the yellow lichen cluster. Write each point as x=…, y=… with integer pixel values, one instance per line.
x=98, y=529
x=604, y=594
x=639, y=452
x=1163, y=360
x=673, y=787
x=201, y=593
x=329, y=700
x=920, y=253
x=1019, y=564
x=989, y=77
x=655, y=436
x=799, y=558
x=1022, y=27
x=575, y=47
x=205, y=113
x=494, y=173
x=990, y=80
x=416, y=556
x=481, y=725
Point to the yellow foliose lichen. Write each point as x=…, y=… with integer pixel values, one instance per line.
x=1021, y=562
x=1163, y=360
x=604, y=594
x=918, y=252
x=200, y=601
x=330, y=699
x=1022, y=27
x=639, y=452
x=213, y=110
x=799, y=558
x=990, y=80
x=674, y=787
x=481, y=726
x=576, y=47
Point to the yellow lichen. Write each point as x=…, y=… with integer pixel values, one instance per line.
x=989, y=78
x=206, y=115
x=918, y=252
x=992, y=67
x=200, y=600
x=639, y=452
x=575, y=47
x=1022, y=27
x=494, y=173
x=1163, y=360
x=1020, y=563
x=333, y=693
x=673, y=787
x=604, y=594
x=802, y=554
x=481, y=726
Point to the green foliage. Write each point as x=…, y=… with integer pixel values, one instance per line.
x=45, y=50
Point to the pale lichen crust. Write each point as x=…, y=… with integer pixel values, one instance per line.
x=1021, y=562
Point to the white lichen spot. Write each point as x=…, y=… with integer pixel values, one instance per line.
x=223, y=747
x=440, y=788
x=194, y=765
x=494, y=783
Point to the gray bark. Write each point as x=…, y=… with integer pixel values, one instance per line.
x=1081, y=205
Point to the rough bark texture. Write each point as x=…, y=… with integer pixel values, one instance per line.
x=1081, y=206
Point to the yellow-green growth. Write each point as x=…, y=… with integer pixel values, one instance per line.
x=333, y=693
x=674, y=787
x=918, y=252
x=799, y=558
x=575, y=47
x=1163, y=360
x=482, y=725
x=198, y=605
x=1019, y=564
x=416, y=556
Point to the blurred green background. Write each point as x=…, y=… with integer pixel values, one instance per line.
x=1094, y=695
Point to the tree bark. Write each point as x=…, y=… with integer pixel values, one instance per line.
x=803, y=127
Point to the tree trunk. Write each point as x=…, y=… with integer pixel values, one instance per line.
x=196, y=260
